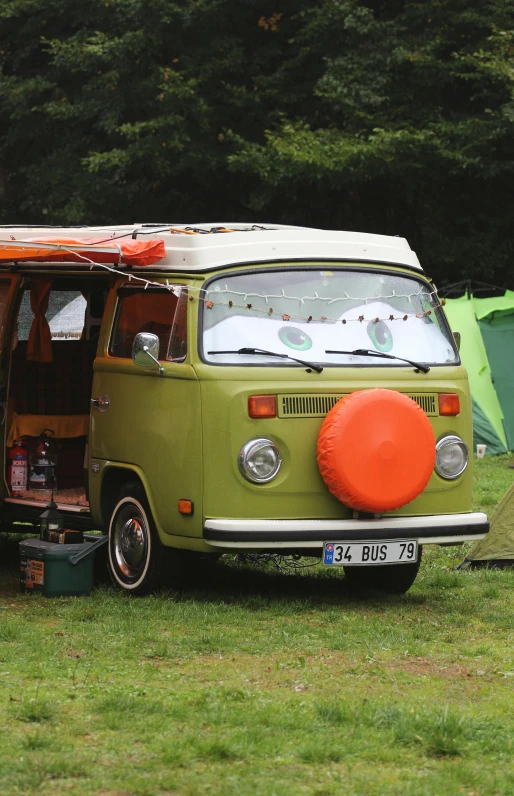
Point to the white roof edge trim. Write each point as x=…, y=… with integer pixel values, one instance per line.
x=263, y=243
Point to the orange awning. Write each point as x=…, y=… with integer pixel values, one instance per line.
x=73, y=250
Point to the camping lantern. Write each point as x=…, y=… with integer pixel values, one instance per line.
x=43, y=462
x=50, y=520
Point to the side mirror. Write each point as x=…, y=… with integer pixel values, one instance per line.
x=145, y=351
x=456, y=337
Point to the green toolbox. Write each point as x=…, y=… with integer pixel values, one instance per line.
x=57, y=570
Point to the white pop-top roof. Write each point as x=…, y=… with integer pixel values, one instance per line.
x=247, y=243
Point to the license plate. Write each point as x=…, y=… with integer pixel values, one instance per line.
x=340, y=554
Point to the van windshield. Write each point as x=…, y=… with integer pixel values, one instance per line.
x=288, y=310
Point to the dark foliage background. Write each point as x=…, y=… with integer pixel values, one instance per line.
x=383, y=116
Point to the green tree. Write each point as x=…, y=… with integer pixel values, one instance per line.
x=119, y=110
x=412, y=133
x=392, y=117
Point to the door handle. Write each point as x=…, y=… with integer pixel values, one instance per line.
x=102, y=402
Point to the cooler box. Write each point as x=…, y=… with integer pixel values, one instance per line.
x=57, y=570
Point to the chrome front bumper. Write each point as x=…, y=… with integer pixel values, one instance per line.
x=275, y=534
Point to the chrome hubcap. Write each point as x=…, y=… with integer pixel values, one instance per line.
x=130, y=542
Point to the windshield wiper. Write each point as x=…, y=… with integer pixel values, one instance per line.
x=263, y=351
x=365, y=352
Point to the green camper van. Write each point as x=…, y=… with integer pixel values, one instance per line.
x=199, y=390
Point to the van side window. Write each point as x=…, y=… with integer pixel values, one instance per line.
x=160, y=312
x=65, y=315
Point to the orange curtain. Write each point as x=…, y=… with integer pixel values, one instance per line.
x=142, y=308
x=39, y=346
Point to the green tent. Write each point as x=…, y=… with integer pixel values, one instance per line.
x=486, y=326
x=497, y=549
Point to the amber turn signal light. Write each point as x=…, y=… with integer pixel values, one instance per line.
x=262, y=406
x=449, y=404
x=185, y=506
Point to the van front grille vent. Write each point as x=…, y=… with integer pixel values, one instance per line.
x=306, y=405
x=319, y=405
x=427, y=402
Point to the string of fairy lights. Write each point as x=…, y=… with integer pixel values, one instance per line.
x=241, y=302
x=269, y=311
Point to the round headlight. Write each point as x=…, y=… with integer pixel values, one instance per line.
x=259, y=460
x=451, y=457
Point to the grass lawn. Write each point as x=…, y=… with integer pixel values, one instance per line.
x=264, y=683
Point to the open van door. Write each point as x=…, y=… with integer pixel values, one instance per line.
x=10, y=286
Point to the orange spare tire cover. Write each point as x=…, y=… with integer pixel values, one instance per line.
x=376, y=450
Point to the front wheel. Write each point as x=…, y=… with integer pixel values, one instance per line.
x=391, y=578
x=138, y=561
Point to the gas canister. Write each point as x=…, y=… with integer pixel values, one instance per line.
x=17, y=467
